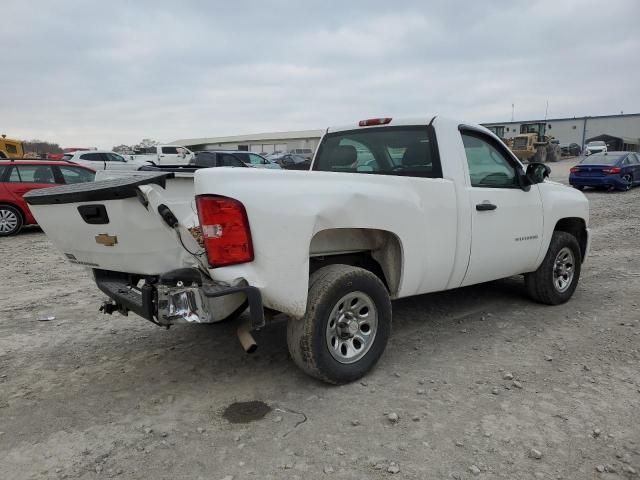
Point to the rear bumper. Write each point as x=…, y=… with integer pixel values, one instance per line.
x=608, y=181
x=179, y=296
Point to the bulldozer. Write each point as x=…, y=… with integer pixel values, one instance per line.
x=498, y=130
x=534, y=145
x=10, y=148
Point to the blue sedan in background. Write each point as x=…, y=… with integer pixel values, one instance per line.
x=610, y=170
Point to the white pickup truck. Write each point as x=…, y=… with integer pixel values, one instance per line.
x=390, y=209
x=164, y=155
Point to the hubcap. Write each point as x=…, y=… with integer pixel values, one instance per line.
x=563, y=270
x=352, y=327
x=8, y=221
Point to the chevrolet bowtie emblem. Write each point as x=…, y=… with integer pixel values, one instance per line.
x=106, y=239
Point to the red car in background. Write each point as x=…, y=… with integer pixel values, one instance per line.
x=18, y=177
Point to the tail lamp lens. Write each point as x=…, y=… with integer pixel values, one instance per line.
x=225, y=230
x=612, y=170
x=574, y=169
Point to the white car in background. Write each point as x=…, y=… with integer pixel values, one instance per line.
x=104, y=160
x=164, y=155
x=595, y=147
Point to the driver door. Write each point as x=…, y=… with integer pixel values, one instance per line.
x=506, y=221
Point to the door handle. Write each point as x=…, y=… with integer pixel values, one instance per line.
x=482, y=207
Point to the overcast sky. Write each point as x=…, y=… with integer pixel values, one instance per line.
x=104, y=73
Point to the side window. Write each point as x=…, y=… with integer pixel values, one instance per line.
x=11, y=148
x=170, y=150
x=32, y=174
x=634, y=159
x=92, y=157
x=14, y=176
x=488, y=167
x=112, y=157
x=228, y=160
x=3, y=169
x=256, y=159
x=76, y=175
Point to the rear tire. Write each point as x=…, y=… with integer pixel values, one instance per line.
x=346, y=326
x=628, y=179
x=557, y=277
x=579, y=187
x=11, y=221
x=540, y=155
x=553, y=152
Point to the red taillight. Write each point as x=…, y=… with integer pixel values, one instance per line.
x=225, y=230
x=374, y=121
x=574, y=169
x=612, y=170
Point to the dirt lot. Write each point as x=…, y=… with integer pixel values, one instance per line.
x=91, y=396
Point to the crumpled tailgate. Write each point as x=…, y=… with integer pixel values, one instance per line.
x=115, y=224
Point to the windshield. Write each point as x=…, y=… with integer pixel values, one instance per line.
x=596, y=144
x=390, y=151
x=67, y=156
x=601, y=159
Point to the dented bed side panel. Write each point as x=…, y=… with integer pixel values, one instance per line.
x=420, y=212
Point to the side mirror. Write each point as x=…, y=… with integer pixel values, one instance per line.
x=537, y=172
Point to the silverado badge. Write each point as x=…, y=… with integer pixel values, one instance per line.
x=106, y=239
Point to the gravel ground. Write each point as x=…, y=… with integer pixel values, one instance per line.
x=475, y=383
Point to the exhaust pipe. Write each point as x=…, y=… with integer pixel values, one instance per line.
x=246, y=339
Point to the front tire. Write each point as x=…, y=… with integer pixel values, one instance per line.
x=346, y=326
x=557, y=277
x=10, y=220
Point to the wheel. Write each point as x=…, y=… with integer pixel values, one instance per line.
x=540, y=155
x=346, y=326
x=628, y=182
x=553, y=153
x=557, y=277
x=10, y=220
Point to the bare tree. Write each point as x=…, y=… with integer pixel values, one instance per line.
x=41, y=147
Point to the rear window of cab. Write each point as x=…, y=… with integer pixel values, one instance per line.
x=404, y=151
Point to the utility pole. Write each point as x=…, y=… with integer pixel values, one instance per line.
x=513, y=107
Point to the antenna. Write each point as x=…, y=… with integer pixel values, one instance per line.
x=546, y=111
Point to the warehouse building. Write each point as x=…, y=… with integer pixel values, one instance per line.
x=258, y=143
x=621, y=132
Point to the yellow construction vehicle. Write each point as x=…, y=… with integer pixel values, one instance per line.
x=534, y=145
x=10, y=148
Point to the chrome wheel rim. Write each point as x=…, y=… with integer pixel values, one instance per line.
x=352, y=327
x=627, y=180
x=8, y=221
x=563, y=270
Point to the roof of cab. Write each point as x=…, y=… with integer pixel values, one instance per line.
x=425, y=120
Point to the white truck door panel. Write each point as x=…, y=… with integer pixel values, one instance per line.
x=506, y=221
x=504, y=241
